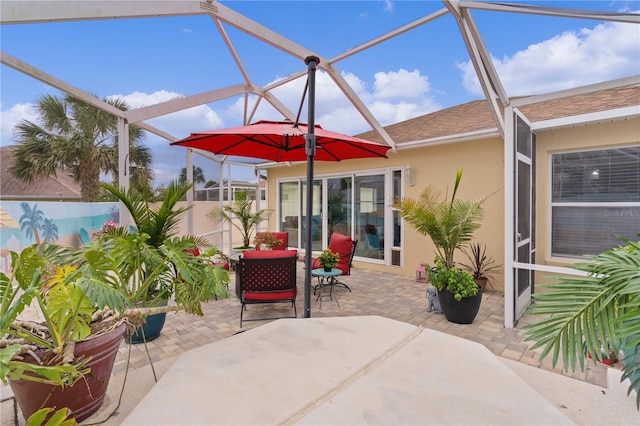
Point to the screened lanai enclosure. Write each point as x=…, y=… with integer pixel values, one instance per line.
x=357, y=201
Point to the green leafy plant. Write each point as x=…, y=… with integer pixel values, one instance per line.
x=581, y=312
x=450, y=223
x=458, y=282
x=97, y=283
x=328, y=258
x=54, y=278
x=240, y=215
x=267, y=238
x=49, y=417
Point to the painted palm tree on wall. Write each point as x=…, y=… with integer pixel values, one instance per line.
x=49, y=230
x=80, y=138
x=31, y=221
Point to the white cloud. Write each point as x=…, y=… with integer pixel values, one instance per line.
x=572, y=59
x=388, y=5
x=179, y=124
x=400, y=84
x=11, y=117
x=394, y=96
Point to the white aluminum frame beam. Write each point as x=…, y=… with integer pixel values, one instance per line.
x=481, y=61
x=552, y=11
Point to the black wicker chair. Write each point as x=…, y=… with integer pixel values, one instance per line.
x=267, y=277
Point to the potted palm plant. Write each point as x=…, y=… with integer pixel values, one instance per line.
x=240, y=215
x=583, y=313
x=450, y=223
x=156, y=257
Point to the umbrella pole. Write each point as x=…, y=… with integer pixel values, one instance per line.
x=310, y=146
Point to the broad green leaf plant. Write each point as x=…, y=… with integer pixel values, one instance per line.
x=583, y=314
x=100, y=281
x=45, y=274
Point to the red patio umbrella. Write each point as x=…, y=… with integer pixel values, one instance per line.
x=287, y=141
x=282, y=141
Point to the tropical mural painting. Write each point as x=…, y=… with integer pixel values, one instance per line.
x=25, y=223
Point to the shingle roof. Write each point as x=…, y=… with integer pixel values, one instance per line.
x=59, y=187
x=476, y=115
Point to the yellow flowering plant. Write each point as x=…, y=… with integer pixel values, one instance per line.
x=328, y=258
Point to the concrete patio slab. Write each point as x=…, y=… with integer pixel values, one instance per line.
x=352, y=370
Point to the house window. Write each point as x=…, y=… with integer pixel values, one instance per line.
x=595, y=196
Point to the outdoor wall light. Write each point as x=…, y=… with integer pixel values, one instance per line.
x=408, y=171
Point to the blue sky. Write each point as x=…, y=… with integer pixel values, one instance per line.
x=150, y=60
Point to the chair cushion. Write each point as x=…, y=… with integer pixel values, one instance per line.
x=341, y=244
x=270, y=295
x=268, y=254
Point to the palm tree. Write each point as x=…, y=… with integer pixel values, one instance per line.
x=242, y=210
x=159, y=223
x=31, y=220
x=198, y=175
x=450, y=223
x=79, y=137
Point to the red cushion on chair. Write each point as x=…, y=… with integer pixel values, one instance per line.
x=268, y=254
x=272, y=295
x=341, y=244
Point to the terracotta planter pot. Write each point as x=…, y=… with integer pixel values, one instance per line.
x=482, y=282
x=87, y=395
x=460, y=312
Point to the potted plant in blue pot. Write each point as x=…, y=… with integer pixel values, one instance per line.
x=161, y=265
x=328, y=259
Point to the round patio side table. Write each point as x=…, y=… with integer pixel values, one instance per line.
x=327, y=279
